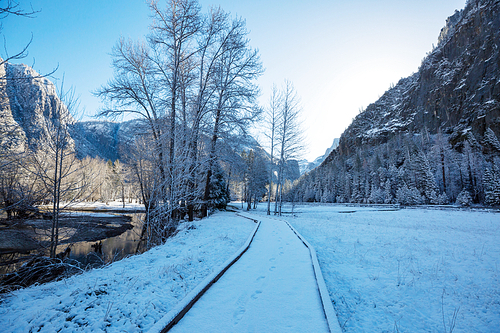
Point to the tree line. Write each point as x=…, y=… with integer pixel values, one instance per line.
x=409, y=169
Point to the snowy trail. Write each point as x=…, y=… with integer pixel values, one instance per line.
x=272, y=288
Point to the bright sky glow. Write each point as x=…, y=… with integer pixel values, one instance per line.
x=340, y=55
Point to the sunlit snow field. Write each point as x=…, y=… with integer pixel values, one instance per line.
x=408, y=270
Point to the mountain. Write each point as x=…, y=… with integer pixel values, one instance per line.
x=105, y=139
x=306, y=166
x=455, y=90
x=30, y=110
x=433, y=137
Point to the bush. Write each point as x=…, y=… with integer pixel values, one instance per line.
x=408, y=196
x=464, y=198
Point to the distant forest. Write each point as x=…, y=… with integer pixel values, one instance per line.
x=408, y=170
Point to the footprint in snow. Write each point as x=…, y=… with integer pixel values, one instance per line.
x=241, y=308
x=272, y=268
x=238, y=314
x=256, y=294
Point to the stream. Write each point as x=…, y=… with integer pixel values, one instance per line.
x=88, y=253
x=109, y=249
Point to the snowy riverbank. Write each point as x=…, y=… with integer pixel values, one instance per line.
x=132, y=294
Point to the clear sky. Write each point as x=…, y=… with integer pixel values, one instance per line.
x=340, y=55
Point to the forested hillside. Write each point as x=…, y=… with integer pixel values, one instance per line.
x=433, y=137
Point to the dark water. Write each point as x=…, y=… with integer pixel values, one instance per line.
x=94, y=253
x=109, y=249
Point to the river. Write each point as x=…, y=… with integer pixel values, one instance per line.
x=94, y=253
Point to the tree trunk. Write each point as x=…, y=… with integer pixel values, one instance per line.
x=55, y=217
x=443, y=170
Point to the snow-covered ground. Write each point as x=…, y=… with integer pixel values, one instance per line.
x=132, y=294
x=409, y=270
x=110, y=205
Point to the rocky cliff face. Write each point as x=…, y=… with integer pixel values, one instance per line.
x=30, y=110
x=306, y=166
x=456, y=90
x=105, y=139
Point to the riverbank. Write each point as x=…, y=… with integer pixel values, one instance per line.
x=26, y=235
x=132, y=294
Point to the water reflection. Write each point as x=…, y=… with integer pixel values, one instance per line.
x=93, y=254
x=109, y=249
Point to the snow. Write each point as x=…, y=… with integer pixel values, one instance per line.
x=111, y=205
x=272, y=288
x=92, y=214
x=386, y=270
x=407, y=270
x=132, y=294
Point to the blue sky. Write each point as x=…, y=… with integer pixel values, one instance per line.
x=340, y=55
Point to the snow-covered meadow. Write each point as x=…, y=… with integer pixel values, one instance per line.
x=387, y=270
x=132, y=294
x=408, y=270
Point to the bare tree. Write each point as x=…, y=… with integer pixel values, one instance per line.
x=135, y=90
x=236, y=69
x=193, y=80
x=271, y=120
x=172, y=40
x=55, y=161
x=289, y=135
x=173, y=31
x=148, y=82
x=209, y=50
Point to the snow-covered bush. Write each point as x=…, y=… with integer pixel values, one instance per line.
x=408, y=196
x=443, y=199
x=464, y=198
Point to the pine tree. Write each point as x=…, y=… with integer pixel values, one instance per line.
x=219, y=195
x=464, y=198
x=491, y=182
x=423, y=177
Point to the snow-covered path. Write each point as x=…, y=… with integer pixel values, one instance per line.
x=272, y=288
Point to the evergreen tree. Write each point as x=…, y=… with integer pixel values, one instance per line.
x=464, y=198
x=491, y=183
x=219, y=194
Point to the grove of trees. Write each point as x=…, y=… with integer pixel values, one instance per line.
x=192, y=81
x=191, y=87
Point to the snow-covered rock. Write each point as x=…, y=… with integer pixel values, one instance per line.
x=456, y=87
x=306, y=166
x=30, y=110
